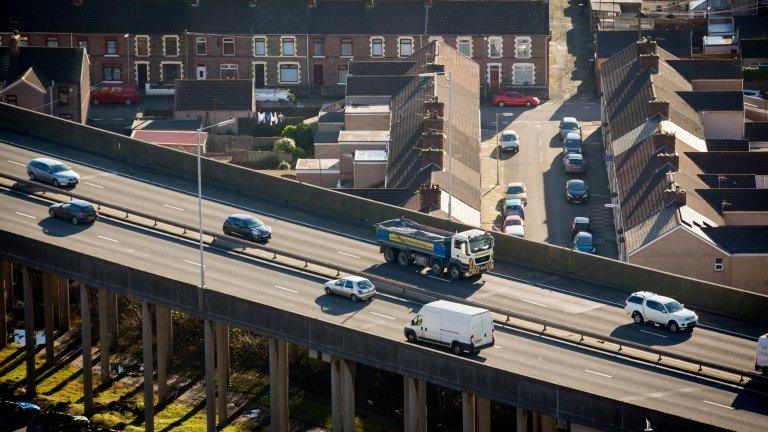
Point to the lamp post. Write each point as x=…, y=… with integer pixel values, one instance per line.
x=450, y=135
x=127, y=37
x=498, y=143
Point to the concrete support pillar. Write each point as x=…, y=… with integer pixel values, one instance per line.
x=548, y=424
x=469, y=411
x=222, y=370
x=114, y=314
x=278, y=385
x=343, y=394
x=522, y=420
x=5, y=294
x=415, y=401
x=163, y=340
x=48, y=281
x=104, y=335
x=536, y=422
x=336, y=395
x=29, y=332
x=483, y=414
x=85, y=330
x=146, y=338
x=210, y=387
x=63, y=285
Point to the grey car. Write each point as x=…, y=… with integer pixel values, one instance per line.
x=77, y=211
x=576, y=191
x=247, y=227
x=574, y=163
x=52, y=171
x=572, y=143
x=569, y=124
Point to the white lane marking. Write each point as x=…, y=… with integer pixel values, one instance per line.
x=172, y=207
x=534, y=303
x=94, y=185
x=25, y=215
x=496, y=346
x=439, y=278
x=655, y=334
x=717, y=404
x=597, y=373
x=16, y=163
x=286, y=289
x=348, y=254
x=193, y=263
x=108, y=239
x=383, y=316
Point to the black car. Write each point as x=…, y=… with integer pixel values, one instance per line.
x=77, y=211
x=59, y=422
x=247, y=227
x=15, y=415
x=580, y=224
x=576, y=191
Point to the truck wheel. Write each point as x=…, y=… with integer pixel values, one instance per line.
x=436, y=269
x=454, y=273
x=673, y=327
x=456, y=348
x=389, y=255
x=402, y=258
x=411, y=336
x=638, y=317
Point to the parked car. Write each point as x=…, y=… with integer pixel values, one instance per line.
x=580, y=224
x=646, y=306
x=59, y=422
x=354, y=287
x=16, y=415
x=77, y=211
x=513, y=207
x=761, y=356
x=567, y=125
x=247, y=227
x=454, y=325
x=509, y=141
x=753, y=93
x=514, y=226
x=517, y=190
x=574, y=163
x=576, y=191
x=572, y=143
x=514, y=98
x=584, y=242
x=114, y=92
x=52, y=171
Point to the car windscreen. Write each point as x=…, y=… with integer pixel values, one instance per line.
x=509, y=137
x=584, y=240
x=570, y=125
x=364, y=284
x=575, y=161
x=252, y=223
x=577, y=187
x=572, y=144
x=481, y=243
x=514, y=222
x=515, y=189
x=59, y=168
x=673, y=306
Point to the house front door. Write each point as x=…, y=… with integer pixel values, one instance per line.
x=200, y=72
x=258, y=75
x=141, y=74
x=494, y=79
x=317, y=76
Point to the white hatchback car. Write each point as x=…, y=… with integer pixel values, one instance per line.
x=646, y=306
x=509, y=141
x=354, y=287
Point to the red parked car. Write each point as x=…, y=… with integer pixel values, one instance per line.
x=113, y=92
x=515, y=99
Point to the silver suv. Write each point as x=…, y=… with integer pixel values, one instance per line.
x=52, y=171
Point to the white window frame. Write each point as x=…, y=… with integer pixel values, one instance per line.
x=136, y=69
x=523, y=39
x=288, y=39
x=224, y=42
x=383, y=46
x=165, y=52
x=467, y=39
x=181, y=68
x=399, y=41
x=533, y=73
x=500, y=41
x=351, y=45
x=229, y=66
x=719, y=266
x=266, y=46
x=205, y=43
x=136, y=45
x=106, y=47
x=314, y=52
x=298, y=72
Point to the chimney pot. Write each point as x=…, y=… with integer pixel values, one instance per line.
x=77, y=2
x=645, y=46
x=649, y=62
x=428, y=3
x=669, y=159
x=431, y=156
x=664, y=142
x=370, y=3
x=312, y=3
x=252, y=3
x=430, y=195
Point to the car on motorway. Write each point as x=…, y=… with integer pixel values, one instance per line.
x=568, y=125
x=576, y=191
x=572, y=143
x=514, y=98
x=517, y=190
x=580, y=224
x=354, y=287
x=644, y=306
x=513, y=207
x=51, y=171
x=77, y=211
x=514, y=226
x=761, y=356
x=460, y=327
x=15, y=414
x=247, y=227
x=584, y=242
x=59, y=422
x=509, y=141
x=574, y=163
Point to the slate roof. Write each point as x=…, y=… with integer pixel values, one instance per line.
x=651, y=228
x=707, y=69
x=354, y=17
x=676, y=42
x=201, y=95
x=756, y=131
x=488, y=17
x=731, y=162
x=727, y=145
x=754, y=48
x=362, y=85
x=714, y=100
x=740, y=239
x=735, y=181
x=751, y=26
x=739, y=199
x=386, y=67
x=62, y=65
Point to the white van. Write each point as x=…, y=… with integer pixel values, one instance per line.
x=461, y=327
x=761, y=356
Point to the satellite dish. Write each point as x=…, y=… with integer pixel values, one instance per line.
x=648, y=427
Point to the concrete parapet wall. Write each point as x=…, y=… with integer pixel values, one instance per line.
x=615, y=275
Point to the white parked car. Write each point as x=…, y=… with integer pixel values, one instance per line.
x=509, y=141
x=354, y=287
x=646, y=306
x=761, y=356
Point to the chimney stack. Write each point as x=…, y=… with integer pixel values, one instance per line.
x=252, y=3
x=15, y=43
x=645, y=46
x=659, y=107
x=649, y=62
x=675, y=194
x=312, y=3
x=429, y=195
x=370, y=3
x=665, y=159
x=664, y=142
x=432, y=139
x=432, y=156
x=194, y=2
x=434, y=108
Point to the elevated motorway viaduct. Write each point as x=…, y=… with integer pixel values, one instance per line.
x=548, y=380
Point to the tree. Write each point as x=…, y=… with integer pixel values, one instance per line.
x=302, y=135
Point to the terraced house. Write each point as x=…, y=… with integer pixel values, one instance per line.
x=305, y=45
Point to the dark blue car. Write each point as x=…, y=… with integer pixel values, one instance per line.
x=584, y=242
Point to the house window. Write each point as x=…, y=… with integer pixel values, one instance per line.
x=66, y=116
x=228, y=46
x=111, y=47
x=523, y=47
x=289, y=73
x=201, y=46
x=523, y=74
x=11, y=100
x=112, y=73
x=319, y=47
x=52, y=41
x=405, y=46
x=170, y=71
x=171, y=46
x=82, y=43
x=346, y=47
x=229, y=71
x=464, y=46
x=343, y=72
x=494, y=47
x=142, y=46
x=63, y=96
x=719, y=264
x=23, y=41
x=259, y=46
x=377, y=47
x=288, y=46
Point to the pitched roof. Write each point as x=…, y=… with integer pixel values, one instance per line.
x=676, y=42
x=651, y=228
x=707, y=69
x=61, y=65
x=754, y=48
x=714, y=145
x=714, y=100
x=488, y=17
x=736, y=199
x=354, y=17
x=37, y=78
x=731, y=162
x=751, y=26
x=756, y=131
x=214, y=95
x=740, y=239
x=736, y=181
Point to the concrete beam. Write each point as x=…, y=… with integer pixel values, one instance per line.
x=29, y=332
x=48, y=281
x=5, y=294
x=222, y=371
x=146, y=338
x=278, y=385
x=63, y=303
x=522, y=420
x=210, y=385
x=85, y=331
x=163, y=340
x=483, y=414
x=468, y=412
x=104, y=335
x=415, y=404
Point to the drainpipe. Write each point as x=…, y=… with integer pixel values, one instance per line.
x=50, y=106
x=306, y=36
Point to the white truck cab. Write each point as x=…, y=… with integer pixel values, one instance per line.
x=458, y=326
x=471, y=248
x=761, y=356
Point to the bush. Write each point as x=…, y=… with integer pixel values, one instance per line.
x=285, y=145
x=302, y=135
x=755, y=73
x=284, y=165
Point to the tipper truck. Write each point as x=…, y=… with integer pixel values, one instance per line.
x=463, y=254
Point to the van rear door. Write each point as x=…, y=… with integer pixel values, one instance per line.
x=482, y=328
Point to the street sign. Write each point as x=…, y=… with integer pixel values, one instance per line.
x=607, y=157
